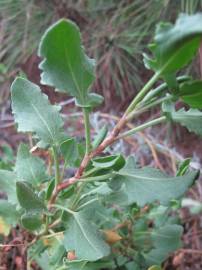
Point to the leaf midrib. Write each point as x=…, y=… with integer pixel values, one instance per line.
x=71, y=71
x=155, y=179
x=42, y=119
x=84, y=233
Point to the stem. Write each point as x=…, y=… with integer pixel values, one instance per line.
x=46, y=225
x=87, y=130
x=143, y=126
x=78, y=195
x=96, y=178
x=113, y=136
x=57, y=166
x=163, y=87
x=83, y=184
x=63, y=208
x=142, y=93
x=152, y=104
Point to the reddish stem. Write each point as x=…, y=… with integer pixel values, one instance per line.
x=108, y=141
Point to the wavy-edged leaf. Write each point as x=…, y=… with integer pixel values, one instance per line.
x=28, y=167
x=83, y=237
x=147, y=185
x=190, y=119
x=175, y=45
x=34, y=113
x=27, y=198
x=7, y=184
x=191, y=93
x=65, y=65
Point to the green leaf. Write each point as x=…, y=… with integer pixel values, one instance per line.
x=115, y=162
x=190, y=119
x=57, y=254
x=165, y=240
x=44, y=259
x=31, y=220
x=155, y=267
x=7, y=184
x=183, y=167
x=191, y=93
x=83, y=237
x=68, y=192
x=133, y=265
x=65, y=65
x=50, y=188
x=5, y=208
x=27, y=198
x=147, y=185
x=28, y=167
x=100, y=137
x=75, y=265
x=38, y=115
x=70, y=152
x=175, y=45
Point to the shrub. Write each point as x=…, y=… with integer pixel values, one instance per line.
x=111, y=214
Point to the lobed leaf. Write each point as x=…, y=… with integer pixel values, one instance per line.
x=147, y=185
x=191, y=119
x=65, y=65
x=37, y=115
x=175, y=45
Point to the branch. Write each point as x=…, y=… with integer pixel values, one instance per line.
x=108, y=141
x=87, y=129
